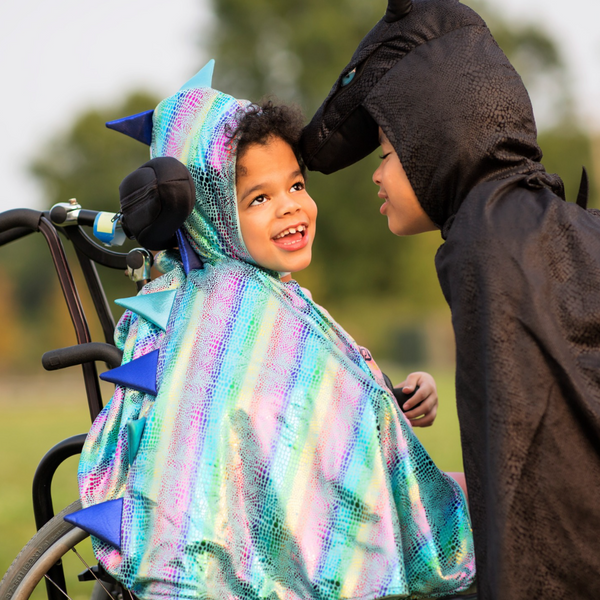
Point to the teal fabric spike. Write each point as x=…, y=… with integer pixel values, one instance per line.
x=135, y=430
x=139, y=374
x=203, y=78
x=155, y=307
x=101, y=520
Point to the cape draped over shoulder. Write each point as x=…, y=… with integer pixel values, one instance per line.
x=271, y=463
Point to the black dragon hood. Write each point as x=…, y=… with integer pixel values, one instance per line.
x=457, y=113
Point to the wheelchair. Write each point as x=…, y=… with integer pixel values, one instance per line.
x=44, y=556
x=41, y=558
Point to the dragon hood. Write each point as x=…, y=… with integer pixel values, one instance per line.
x=447, y=98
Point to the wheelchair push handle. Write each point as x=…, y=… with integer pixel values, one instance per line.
x=20, y=217
x=17, y=223
x=80, y=354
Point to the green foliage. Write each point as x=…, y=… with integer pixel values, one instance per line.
x=89, y=161
x=375, y=283
x=566, y=150
x=294, y=50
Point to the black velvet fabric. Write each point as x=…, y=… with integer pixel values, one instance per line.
x=520, y=269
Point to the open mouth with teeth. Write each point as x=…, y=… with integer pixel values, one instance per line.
x=292, y=238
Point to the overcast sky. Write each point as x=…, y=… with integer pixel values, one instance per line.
x=59, y=58
x=575, y=27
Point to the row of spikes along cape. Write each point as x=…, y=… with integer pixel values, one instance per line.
x=104, y=520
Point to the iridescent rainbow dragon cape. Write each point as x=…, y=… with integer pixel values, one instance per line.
x=249, y=451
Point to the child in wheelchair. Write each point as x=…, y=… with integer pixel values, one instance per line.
x=252, y=449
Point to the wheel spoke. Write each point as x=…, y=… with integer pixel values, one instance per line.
x=92, y=572
x=57, y=587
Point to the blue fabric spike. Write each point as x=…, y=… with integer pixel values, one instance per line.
x=155, y=307
x=101, y=520
x=135, y=429
x=139, y=126
x=203, y=78
x=190, y=259
x=139, y=374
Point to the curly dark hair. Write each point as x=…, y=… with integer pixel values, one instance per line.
x=258, y=123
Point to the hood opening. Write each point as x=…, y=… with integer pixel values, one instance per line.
x=355, y=138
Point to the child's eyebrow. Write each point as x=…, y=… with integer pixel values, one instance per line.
x=259, y=186
x=252, y=190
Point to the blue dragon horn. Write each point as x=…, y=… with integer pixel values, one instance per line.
x=139, y=126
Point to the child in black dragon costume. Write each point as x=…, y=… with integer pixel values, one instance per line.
x=520, y=269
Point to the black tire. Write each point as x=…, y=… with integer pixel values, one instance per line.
x=44, y=550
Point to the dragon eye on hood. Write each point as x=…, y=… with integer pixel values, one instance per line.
x=348, y=77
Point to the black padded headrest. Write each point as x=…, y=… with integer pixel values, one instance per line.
x=155, y=201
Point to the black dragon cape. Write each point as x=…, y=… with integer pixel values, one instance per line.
x=520, y=269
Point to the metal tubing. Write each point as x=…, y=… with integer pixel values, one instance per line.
x=98, y=296
x=20, y=218
x=16, y=233
x=82, y=332
x=95, y=252
x=43, y=509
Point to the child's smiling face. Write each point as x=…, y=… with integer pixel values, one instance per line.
x=277, y=216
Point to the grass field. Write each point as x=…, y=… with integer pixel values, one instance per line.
x=37, y=412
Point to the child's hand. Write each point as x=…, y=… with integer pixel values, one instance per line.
x=426, y=398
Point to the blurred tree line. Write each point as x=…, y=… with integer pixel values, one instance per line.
x=382, y=288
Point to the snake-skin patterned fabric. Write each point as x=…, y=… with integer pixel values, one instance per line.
x=273, y=462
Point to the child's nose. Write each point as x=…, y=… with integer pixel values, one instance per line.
x=377, y=177
x=288, y=205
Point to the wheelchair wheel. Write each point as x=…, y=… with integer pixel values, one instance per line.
x=47, y=547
